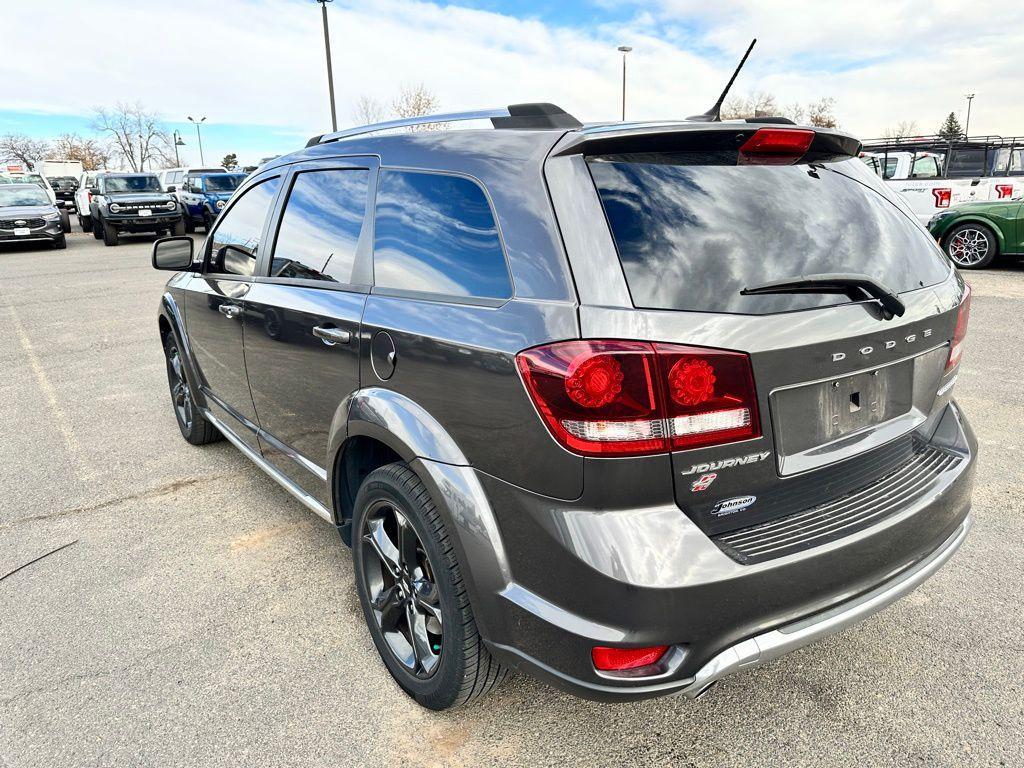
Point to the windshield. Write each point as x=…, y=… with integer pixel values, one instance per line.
x=223, y=183
x=11, y=196
x=691, y=236
x=131, y=184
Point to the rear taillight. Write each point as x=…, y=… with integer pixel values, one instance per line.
x=942, y=197
x=601, y=398
x=1004, y=191
x=956, y=346
x=775, y=146
x=618, y=659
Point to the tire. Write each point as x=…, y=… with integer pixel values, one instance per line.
x=190, y=225
x=109, y=235
x=65, y=222
x=60, y=243
x=391, y=500
x=193, y=425
x=971, y=246
x=179, y=227
x=85, y=222
x=207, y=222
x=97, y=228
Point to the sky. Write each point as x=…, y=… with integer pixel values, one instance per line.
x=255, y=68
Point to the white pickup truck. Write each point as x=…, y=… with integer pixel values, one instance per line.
x=933, y=174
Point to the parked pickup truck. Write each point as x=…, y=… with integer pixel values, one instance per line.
x=933, y=174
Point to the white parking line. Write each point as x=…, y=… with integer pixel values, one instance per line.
x=63, y=423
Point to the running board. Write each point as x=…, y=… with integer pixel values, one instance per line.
x=269, y=468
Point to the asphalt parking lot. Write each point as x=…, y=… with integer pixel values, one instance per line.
x=201, y=616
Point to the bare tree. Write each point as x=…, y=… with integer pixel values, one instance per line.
x=369, y=110
x=92, y=154
x=821, y=113
x=753, y=105
x=24, y=149
x=795, y=112
x=137, y=136
x=903, y=130
x=417, y=101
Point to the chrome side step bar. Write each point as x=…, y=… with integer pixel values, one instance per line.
x=269, y=468
x=771, y=645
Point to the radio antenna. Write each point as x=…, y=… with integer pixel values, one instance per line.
x=714, y=115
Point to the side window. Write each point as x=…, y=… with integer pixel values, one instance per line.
x=436, y=233
x=236, y=240
x=966, y=162
x=925, y=168
x=891, y=164
x=320, y=226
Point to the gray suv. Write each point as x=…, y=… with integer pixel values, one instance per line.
x=629, y=407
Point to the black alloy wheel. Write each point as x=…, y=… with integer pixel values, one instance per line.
x=403, y=593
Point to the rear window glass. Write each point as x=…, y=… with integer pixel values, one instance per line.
x=436, y=233
x=692, y=236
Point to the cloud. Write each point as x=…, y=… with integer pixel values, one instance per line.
x=260, y=62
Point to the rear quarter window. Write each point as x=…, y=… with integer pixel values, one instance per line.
x=691, y=236
x=436, y=233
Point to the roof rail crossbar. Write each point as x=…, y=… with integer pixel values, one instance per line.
x=514, y=116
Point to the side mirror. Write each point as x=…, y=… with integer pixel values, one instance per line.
x=172, y=188
x=94, y=190
x=173, y=253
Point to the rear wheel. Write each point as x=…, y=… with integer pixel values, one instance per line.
x=109, y=235
x=85, y=222
x=193, y=425
x=413, y=597
x=972, y=246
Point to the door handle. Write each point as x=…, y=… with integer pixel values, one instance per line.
x=230, y=311
x=331, y=336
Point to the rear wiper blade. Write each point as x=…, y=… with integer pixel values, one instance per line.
x=851, y=283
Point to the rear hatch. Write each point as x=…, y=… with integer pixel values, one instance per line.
x=843, y=388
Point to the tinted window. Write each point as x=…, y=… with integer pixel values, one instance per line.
x=692, y=236
x=115, y=184
x=321, y=225
x=236, y=239
x=1008, y=161
x=966, y=162
x=437, y=233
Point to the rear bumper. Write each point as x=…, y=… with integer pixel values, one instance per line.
x=578, y=575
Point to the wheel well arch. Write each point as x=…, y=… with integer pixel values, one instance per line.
x=358, y=456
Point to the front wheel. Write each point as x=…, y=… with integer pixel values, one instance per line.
x=193, y=425
x=97, y=228
x=85, y=222
x=60, y=243
x=109, y=235
x=413, y=597
x=207, y=222
x=65, y=222
x=971, y=246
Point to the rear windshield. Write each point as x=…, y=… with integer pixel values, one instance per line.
x=692, y=236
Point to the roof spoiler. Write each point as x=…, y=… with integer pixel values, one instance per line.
x=539, y=116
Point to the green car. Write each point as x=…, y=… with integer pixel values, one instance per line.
x=973, y=234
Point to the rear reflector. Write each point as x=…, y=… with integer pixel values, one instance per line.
x=776, y=146
x=618, y=659
x=956, y=346
x=602, y=398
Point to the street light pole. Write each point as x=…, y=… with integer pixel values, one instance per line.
x=624, y=49
x=330, y=72
x=967, y=122
x=199, y=136
x=177, y=143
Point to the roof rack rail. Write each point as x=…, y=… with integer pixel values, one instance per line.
x=522, y=116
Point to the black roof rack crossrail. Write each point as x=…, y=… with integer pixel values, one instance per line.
x=537, y=116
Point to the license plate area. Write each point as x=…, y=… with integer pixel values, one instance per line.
x=22, y=231
x=826, y=421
